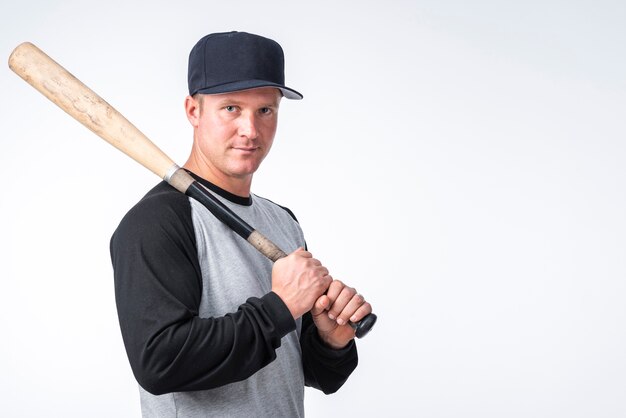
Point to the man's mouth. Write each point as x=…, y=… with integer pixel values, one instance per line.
x=246, y=149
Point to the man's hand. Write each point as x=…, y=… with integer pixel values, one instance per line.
x=299, y=280
x=343, y=304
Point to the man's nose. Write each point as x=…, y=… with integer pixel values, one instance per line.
x=247, y=125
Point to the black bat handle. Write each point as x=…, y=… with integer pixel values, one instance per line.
x=364, y=326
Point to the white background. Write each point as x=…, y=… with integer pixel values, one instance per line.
x=461, y=163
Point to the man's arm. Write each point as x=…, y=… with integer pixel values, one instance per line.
x=327, y=340
x=325, y=368
x=158, y=288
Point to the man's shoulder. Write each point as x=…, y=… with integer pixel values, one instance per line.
x=161, y=200
x=162, y=207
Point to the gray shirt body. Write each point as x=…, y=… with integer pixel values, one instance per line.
x=232, y=271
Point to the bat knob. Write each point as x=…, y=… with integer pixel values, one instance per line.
x=365, y=325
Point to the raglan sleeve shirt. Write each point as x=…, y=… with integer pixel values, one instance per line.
x=158, y=286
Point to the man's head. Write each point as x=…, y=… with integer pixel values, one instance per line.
x=235, y=61
x=236, y=81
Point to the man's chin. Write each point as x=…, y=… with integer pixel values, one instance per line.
x=243, y=172
x=245, y=167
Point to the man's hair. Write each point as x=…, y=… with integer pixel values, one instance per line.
x=199, y=97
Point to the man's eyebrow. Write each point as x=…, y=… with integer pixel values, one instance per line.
x=227, y=101
x=272, y=104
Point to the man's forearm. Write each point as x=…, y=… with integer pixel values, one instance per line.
x=325, y=369
x=198, y=353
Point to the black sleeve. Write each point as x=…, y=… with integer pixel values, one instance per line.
x=325, y=369
x=158, y=287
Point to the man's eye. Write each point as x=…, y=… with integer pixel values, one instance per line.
x=265, y=110
x=230, y=108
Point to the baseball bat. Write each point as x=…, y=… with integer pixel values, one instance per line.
x=84, y=105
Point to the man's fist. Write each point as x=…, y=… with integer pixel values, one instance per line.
x=332, y=311
x=299, y=280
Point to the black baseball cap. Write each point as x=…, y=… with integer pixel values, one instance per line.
x=234, y=61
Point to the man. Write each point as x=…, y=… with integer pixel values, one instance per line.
x=211, y=328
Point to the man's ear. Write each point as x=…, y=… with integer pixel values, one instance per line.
x=192, y=110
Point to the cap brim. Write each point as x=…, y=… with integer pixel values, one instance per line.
x=247, y=85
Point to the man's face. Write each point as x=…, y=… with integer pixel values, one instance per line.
x=234, y=131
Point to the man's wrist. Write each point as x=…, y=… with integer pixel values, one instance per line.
x=329, y=343
x=280, y=312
